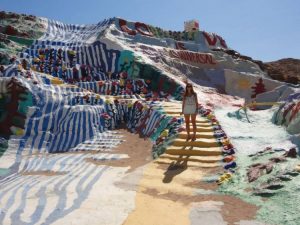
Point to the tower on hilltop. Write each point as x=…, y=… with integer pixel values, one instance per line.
x=191, y=25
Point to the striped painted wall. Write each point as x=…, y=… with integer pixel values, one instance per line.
x=288, y=114
x=62, y=117
x=59, y=120
x=73, y=34
x=73, y=181
x=113, y=86
x=96, y=54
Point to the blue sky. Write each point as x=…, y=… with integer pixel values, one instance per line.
x=262, y=29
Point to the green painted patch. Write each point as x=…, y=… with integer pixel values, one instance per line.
x=22, y=41
x=279, y=208
x=127, y=62
x=28, y=101
x=3, y=146
x=3, y=171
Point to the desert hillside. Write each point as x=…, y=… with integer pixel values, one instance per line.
x=287, y=70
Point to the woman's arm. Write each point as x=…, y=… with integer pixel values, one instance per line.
x=197, y=105
x=183, y=101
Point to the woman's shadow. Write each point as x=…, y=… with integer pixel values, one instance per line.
x=175, y=168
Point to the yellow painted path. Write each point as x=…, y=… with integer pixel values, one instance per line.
x=167, y=189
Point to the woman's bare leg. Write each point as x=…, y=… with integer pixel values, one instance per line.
x=187, y=125
x=193, y=117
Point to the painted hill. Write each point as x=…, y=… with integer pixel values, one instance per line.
x=175, y=52
x=119, y=57
x=165, y=59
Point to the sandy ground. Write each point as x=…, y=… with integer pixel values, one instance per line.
x=138, y=150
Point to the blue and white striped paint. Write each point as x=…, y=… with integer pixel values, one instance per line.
x=57, y=122
x=62, y=117
x=62, y=34
x=30, y=197
x=97, y=55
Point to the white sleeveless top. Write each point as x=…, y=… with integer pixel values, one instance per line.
x=189, y=105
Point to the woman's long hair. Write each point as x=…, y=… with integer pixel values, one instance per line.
x=186, y=91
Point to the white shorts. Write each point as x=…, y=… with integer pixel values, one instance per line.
x=189, y=109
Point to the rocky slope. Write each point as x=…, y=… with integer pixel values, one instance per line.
x=287, y=70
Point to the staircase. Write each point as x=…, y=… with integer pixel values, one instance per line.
x=205, y=151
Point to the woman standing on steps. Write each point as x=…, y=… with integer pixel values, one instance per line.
x=189, y=109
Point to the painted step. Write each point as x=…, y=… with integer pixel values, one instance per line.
x=173, y=111
x=169, y=107
x=201, y=126
x=201, y=142
x=202, y=159
x=204, y=124
x=202, y=120
x=198, y=120
x=203, y=129
x=183, y=135
x=172, y=104
x=173, y=108
x=190, y=150
x=177, y=113
x=186, y=163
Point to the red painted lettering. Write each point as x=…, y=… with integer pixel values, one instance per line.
x=203, y=59
x=174, y=54
x=209, y=40
x=222, y=41
x=124, y=28
x=209, y=59
x=213, y=42
x=195, y=57
x=192, y=58
x=140, y=27
x=180, y=45
x=200, y=59
x=185, y=55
